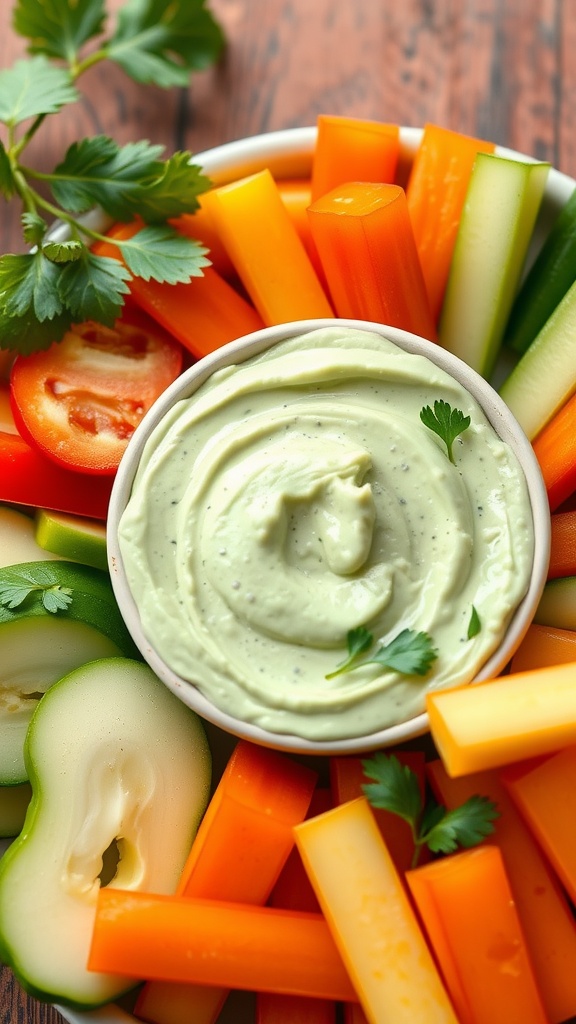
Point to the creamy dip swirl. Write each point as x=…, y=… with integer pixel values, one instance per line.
x=297, y=496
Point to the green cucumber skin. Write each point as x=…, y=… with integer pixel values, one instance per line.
x=551, y=275
x=72, y=538
x=95, y=715
x=93, y=599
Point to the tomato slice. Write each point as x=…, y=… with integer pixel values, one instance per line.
x=81, y=400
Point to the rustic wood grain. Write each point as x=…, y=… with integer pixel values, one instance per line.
x=501, y=70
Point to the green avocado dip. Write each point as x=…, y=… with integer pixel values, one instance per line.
x=298, y=496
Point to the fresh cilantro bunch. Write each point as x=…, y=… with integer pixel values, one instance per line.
x=57, y=283
x=396, y=789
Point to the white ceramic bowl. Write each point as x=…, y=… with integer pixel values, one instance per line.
x=236, y=352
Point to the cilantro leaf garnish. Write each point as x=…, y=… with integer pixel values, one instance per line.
x=474, y=625
x=395, y=788
x=15, y=591
x=409, y=652
x=61, y=282
x=445, y=421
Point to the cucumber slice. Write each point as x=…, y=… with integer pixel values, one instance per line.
x=496, y=226
x=17, y=539
x=557, y=605
x=117, y=763
x=72, y=537
x=545, y=376
x=14, y=802
x=38, y=646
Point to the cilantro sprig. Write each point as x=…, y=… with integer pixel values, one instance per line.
x=409, y=652
x=15, y=591
x=396, y=788
x=446, y=422
x=60, y=282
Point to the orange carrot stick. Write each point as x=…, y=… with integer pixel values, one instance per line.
x=203, y=313
x=365, y=242
x=562, y=545
x=545, y=793
x=239, y=851
x=555, y=449
x=296, y=194
x=347, y=779
x=542, y=646
x=468, y=911
x=352, y=149
x=503, y=720
x=200, y=226
x=266, y=250
x=547, y=919
x=212, y=942
x=435, y=194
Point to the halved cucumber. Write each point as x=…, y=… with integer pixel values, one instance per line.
x=39, y=646
x=545, y=376
x=502, y=203
x=117, y=764
x=72, y=537
x=557, y=605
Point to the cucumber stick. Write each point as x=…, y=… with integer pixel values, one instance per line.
x=39, y=646
x=544, y=378
x=116, y=762
x=496, y=225
x=557, y=605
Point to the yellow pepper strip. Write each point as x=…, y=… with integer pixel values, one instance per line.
x=266, y=250
x=372, y=922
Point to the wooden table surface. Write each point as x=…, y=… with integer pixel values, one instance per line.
x=501, y=71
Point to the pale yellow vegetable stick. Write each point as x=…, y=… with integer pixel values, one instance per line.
x=263, y=244
x=370, y=917
x=507, y=719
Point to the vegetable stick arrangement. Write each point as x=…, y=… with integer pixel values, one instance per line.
x=419, y=886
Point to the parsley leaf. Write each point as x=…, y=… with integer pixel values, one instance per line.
x=97, y=171
x=91, y=287
x=474, y=625
x=445, y=421
x=58, y=28
x=395, y=788
x=162, y=43
x=155, y=250
x=29, y=284
x=410, y=653
x=34, y=87
x=15, y=591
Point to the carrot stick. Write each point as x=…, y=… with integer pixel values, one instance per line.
x=213, y=942
x=346, y=780
x=364, y=238
x=555, y=449
x=352, y=149
x=542, y=646
x=562, y=545
x=200, y=226
x=296, y=194
x=545, y=914
x=503, y=720
x=272, y=1008
x=266, y=250
x=369, y=914
x=468, y=911
x=203, y=313
x=435, y=194
x=545, y=794
x=239, y=851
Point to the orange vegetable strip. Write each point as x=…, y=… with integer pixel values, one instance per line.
x=555, y=449
x=200, y=226
x=239, y=851
x=547, y=920
x=352, y=1013
x=468, y=911
x=296, y=194
x=562, y=545
x=435, y=193
x=545, y=793
x=213, y=942
x=293, y=889
x=503, y=720
x=347, y=778
x=278, y=1009
x=544, y=645
x=364, y=238
x=370, y=916
x=352, y=149
x=203, y=313
x=264, y=246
